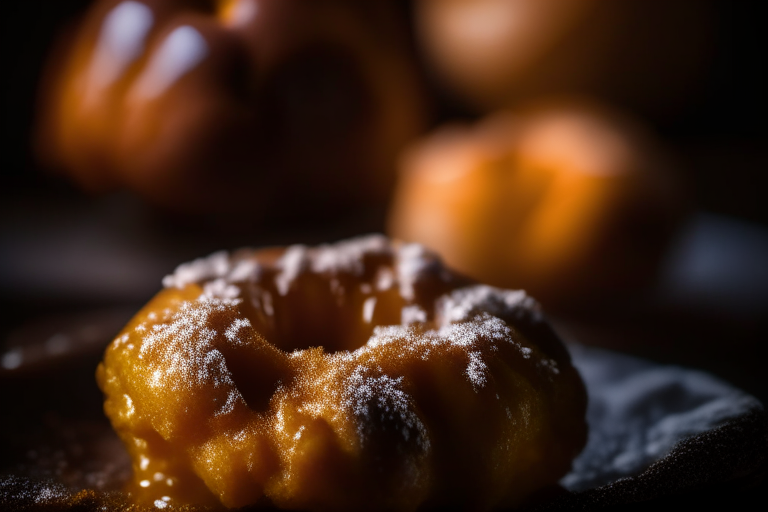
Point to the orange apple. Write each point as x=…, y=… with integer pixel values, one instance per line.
x=566, y=200
x=644, y=54
x=245, y=106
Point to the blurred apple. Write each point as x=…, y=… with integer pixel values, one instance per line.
x=255, y=107
x=568, y=200
x=495, y=53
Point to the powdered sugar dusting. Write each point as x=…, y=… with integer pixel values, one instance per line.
x=245, y=269
x=385, y=279
x=233, y=331
x=291, y=265
x=414, y=260
x=217, y=273
x=368, y=306
x=186, y=352
x=348, y=255
x=201, y=269
x=464, y=303
x=378, y=400
x=412, y=313
x=483, y=325
x=476, y=370
x=476, y=340
x=221, y=289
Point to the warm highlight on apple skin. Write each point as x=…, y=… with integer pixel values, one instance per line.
x=565, y=199
x=234, y=106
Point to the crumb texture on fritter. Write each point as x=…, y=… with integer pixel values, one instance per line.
x=359, y=375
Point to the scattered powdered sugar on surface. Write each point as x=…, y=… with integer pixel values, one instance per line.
x=548, y=365
x=221, y=289
x=413, y=261
x=512, y=306
x=291, y=265
x=245, y=269
x=347, y=255
x=218, y=274
x=385, y=279
x=482, y=326
x=478, y=339
x=368, y=307
x=476, y=369
x=464, y=303
x=377, y=400
x=184, y=352
x=221, y=275
x=232, y=332
x=412, y=314
x=201, y=269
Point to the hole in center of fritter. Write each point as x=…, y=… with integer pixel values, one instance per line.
x=337, y=313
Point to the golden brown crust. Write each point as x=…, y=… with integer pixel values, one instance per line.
x=361, y=375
